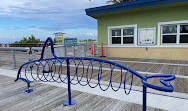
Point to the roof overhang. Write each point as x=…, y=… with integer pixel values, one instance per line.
x=127, y=5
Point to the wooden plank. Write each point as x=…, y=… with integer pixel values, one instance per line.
x=48, y=98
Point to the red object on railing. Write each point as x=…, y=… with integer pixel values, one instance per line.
x=46, y=46
x=92, y=49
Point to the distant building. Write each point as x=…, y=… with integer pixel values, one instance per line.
x=144, y=28
x=59, y=36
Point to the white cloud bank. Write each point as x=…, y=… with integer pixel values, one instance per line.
x=56, y=15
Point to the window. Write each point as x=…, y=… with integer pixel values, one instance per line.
x=147, y=36
x=128, y=36
x=116, y=36
x=169, y=34
x=122, y=35
x=174, y=32
x=184, y=33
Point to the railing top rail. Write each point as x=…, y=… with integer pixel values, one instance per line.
x=19, y=48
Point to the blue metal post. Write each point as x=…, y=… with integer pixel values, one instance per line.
x=69, y=101
x=69, y=87
x=144, y=97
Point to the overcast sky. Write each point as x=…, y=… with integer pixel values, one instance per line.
x=42, y=18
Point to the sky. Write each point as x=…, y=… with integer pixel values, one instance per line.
x=42, y=18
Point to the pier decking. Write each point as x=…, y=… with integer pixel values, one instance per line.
x=50, y=98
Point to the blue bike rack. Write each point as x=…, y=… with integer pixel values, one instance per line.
x=50, y=76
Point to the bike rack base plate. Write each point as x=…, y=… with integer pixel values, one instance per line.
x=66, y=102
x=29, y=90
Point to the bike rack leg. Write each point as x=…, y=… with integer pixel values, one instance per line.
x=69, y=101
x=28, y=84
x=144, y=98
x=28, y=89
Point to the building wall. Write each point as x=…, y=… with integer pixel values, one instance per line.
x=147, y=17
x=136, y=52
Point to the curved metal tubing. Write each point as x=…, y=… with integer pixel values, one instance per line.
x=56, y=75
x=168, y=77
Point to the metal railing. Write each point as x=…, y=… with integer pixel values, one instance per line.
x=22, y=45
x=99, y=49
x=58, y=69
x=14, y=57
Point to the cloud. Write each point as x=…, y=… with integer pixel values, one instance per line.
x=66, y=14
x=90, y=34
x=11, y=37
x=43, y=17
x=34, y=29
x=53, y=9
x=15, y=28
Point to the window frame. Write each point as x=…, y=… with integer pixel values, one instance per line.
x=122, y=36
x=160, y=32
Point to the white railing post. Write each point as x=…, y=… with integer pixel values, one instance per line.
x=65, y=51
x=13, y=59
x=105, y=50
x=85, y=50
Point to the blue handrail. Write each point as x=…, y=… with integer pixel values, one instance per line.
x=51, y=74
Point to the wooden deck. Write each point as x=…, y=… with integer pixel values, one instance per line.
x=180, y=84
x=49, y=98
x=176, y=67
